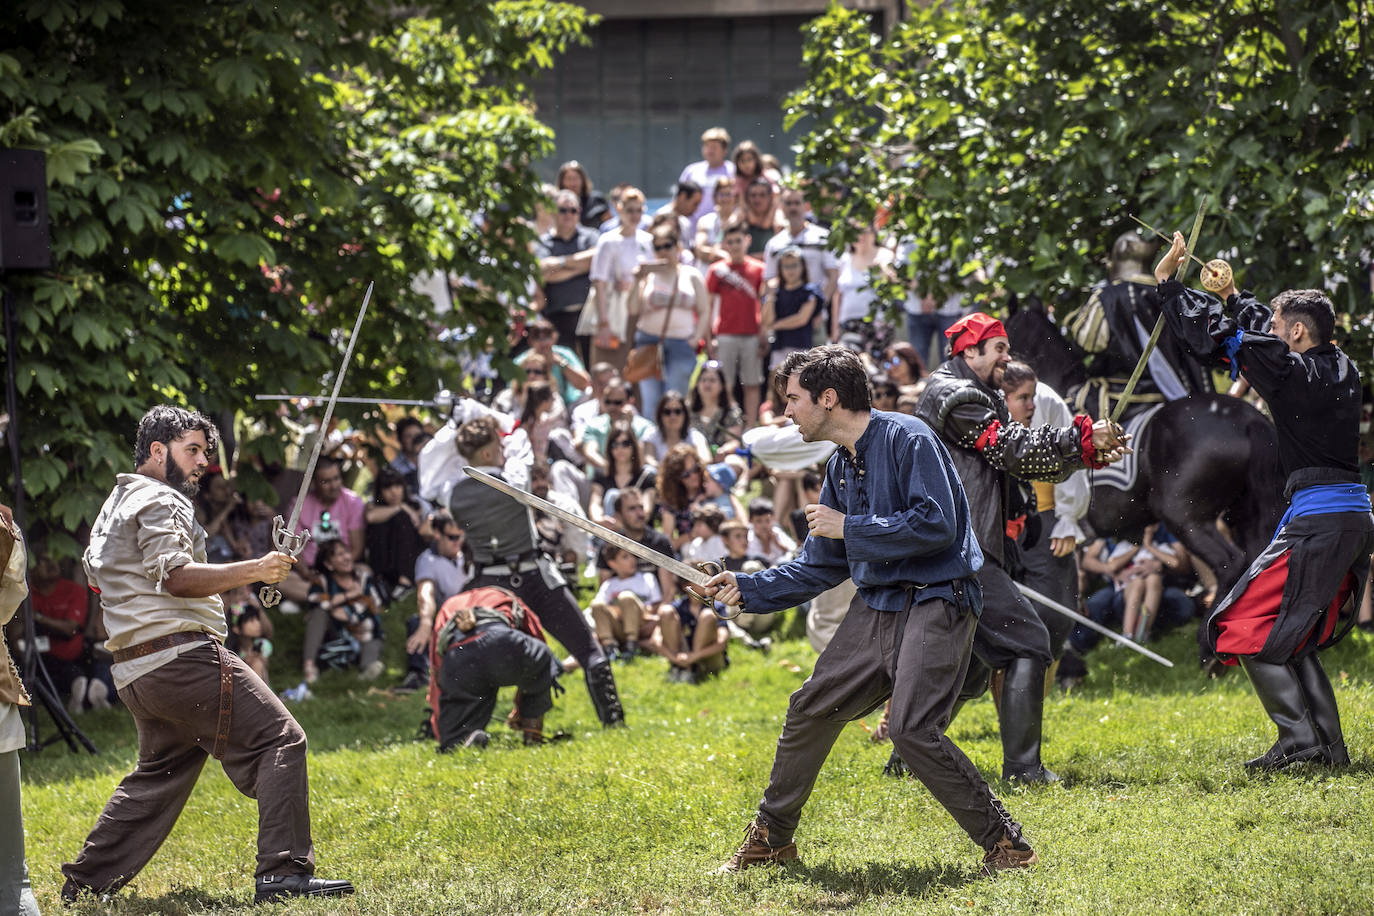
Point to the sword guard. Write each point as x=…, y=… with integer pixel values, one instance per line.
x=1216, y=275
x=711, y=568
x=289, y=543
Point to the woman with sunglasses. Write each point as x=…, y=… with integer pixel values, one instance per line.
x=627, y=471
x=673, y=426
x=714, y=411
x=903, y=365
x=573, y=177
x=674, y=312
x=681, y=488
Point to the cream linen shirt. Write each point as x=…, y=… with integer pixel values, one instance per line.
x=145, y=530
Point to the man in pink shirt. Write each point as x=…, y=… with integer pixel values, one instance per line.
x=740, y=339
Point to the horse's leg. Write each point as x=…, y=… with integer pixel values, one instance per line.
x=1226, y=560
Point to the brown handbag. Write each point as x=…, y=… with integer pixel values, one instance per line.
x=645, y=362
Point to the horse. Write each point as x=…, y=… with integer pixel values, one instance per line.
x=1200, y=458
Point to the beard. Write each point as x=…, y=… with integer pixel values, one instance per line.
x=178, y=479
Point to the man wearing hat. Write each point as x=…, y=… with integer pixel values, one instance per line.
x=963, y=404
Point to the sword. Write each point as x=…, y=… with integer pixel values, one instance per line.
x=1125, y=397
x=698, y=574
x=1091, y=624
x=284, y=535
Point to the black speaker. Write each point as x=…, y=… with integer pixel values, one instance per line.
x=24, y=242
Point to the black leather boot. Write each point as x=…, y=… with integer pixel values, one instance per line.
x=1280, y=690
x=1321, y=700
x=1021, y=716
x=601, y=686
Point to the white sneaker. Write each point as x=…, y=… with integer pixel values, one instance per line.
x=77, y=704
x=98, y=694
x=287, y=606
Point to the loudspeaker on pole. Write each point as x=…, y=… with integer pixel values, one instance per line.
x=24, y=239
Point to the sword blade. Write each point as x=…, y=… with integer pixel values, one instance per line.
x=328, y=413
x=1091, y=624
x=676, y=567
x=309, y=398
x=1167, y=238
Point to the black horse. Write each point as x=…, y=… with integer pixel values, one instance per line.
x=1203, y=457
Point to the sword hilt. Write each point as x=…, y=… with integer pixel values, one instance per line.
x=712, y=568
x=289, y=543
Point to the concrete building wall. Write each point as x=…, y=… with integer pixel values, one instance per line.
x=632, y=105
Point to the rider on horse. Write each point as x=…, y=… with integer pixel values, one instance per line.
x=1111, y=330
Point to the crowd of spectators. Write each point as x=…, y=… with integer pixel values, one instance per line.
x=696, y=460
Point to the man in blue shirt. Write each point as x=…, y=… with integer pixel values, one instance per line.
x=892, y=515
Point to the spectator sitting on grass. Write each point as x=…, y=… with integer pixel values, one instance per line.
x=626, y=605
x=441, y=572
x=396, y=532
x=346, y=604
x=693, y=641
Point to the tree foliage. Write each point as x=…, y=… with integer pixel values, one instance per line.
x=224, y=179
x=1017, y=135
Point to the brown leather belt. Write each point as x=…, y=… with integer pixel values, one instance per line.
x=160, y=644
x=226, y=676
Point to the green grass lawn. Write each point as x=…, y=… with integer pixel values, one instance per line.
x=1155, y=814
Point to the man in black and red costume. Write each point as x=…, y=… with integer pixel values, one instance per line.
x=964, y=405
x=1290, y=602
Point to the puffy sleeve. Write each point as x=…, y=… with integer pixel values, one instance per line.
x=1047, y=453
x=165, y=537
x=1234, y=335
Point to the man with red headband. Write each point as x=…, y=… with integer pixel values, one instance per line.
x=963, y=404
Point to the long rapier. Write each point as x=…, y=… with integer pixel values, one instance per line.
x=1091, y=624
x=699, y=574
x=284, y=535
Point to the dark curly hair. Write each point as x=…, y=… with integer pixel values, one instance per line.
x=166, y=424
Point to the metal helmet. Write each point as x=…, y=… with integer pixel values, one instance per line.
x=1131, y=255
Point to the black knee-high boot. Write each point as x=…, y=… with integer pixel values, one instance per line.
x=605, y=698
x=1280, y=690
x=1022, y=717
x=1321, y=700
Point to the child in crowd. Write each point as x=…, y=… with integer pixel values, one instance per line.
x=739, y=557
x=766, y=540
x=693, y=640
x=706, y=543
x=625, y=609
x=250, y=630
x=719, y=479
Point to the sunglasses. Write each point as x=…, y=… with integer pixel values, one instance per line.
x=569, y=209
x=893, y=362
x=689, y=472
x=622, y=443
x=620, y=403
x=673, y=411
x=453, y=537
x=664, y=246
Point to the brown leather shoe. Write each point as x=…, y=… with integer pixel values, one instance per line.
x=1007, y=855
x=756, y=851
x=532, y=730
